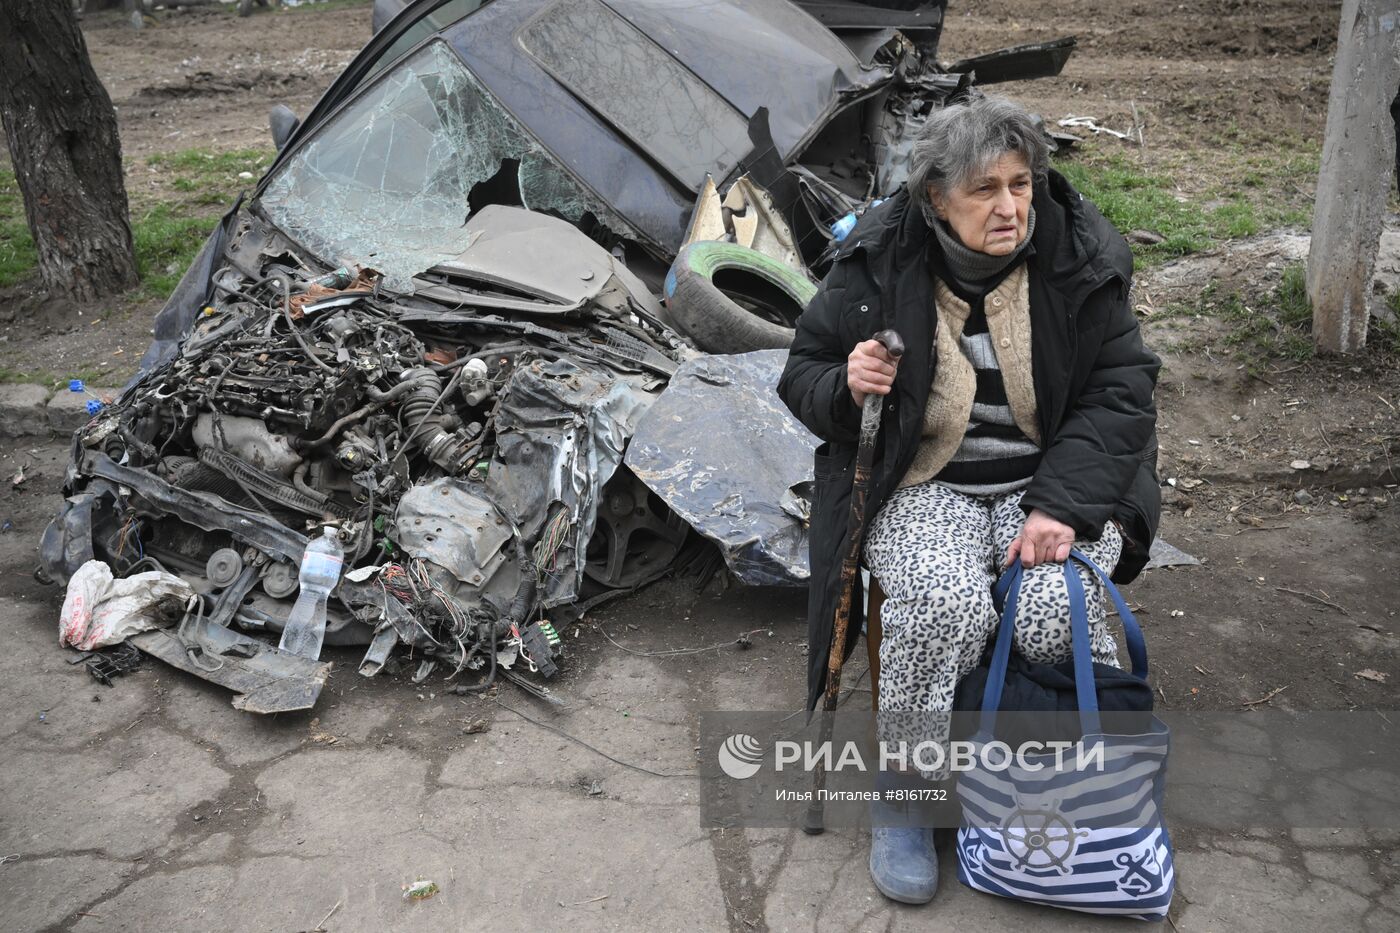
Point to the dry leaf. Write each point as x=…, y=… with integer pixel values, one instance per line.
x=1375, y=676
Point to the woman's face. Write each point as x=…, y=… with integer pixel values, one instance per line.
x=988, y=210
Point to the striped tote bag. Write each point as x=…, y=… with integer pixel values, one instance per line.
x=1079, y=828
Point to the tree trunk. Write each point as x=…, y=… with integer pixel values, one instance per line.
x=1358, y=155
x=62, y=132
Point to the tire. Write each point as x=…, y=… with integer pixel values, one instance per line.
x=699, y=304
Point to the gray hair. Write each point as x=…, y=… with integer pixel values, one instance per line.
x=961, y=139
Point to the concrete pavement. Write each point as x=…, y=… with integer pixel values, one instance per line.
x=154, y=805
x=159, y=806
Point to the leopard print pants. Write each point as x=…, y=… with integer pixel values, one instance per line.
x=936, y=553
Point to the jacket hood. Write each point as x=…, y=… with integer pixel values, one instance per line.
x=1073, y=246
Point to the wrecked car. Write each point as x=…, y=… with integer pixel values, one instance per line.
x=434, y=328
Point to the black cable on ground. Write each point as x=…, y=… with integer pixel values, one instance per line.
x=597, y=751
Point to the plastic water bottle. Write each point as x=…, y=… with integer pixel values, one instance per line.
x=320, y=571
x=843, y=227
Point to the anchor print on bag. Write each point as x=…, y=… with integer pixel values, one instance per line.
x=1143, y=874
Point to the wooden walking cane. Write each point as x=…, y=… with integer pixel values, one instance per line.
x=850, y=565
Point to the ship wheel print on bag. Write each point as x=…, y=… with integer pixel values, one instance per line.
x=1041, y=839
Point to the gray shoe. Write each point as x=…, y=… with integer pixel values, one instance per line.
x=903, y=863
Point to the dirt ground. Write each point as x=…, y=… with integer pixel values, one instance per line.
x=204, y=78
x=1199, y=71
x=1296, y=596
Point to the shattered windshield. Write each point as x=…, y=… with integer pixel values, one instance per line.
x=388, y=181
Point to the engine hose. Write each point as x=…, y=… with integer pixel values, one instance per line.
x=141, y=447
x=299, y=481
x=365, y=539
x=415, y=415
x=384, y=397
x=422, y=398
x=378, y=400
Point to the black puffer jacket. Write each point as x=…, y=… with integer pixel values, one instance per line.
x=1093, y=383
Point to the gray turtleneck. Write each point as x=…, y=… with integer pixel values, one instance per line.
x=969, y=268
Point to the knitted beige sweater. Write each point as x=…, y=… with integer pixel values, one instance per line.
x=949, y=408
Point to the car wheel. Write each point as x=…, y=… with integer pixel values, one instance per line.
x=636, y=537
x=731, y=299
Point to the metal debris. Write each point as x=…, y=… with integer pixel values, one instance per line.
x=1163, y=554
x=1092, y=124
x=112, y=662
x=721, y=449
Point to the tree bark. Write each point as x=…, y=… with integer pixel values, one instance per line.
x=1358, y=156
x=62, y=132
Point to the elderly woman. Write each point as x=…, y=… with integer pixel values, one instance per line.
x=1020, y=421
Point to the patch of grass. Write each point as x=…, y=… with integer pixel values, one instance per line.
x=1134, y=200
x=1279, y=184
x=1234, y=220
x=17, y=256
x=211, y=177
x=204, y=162
x=1273, y=326
x=52, y=379
x=1277, y=326
x=167, y=240
x=169, y=235
x=10, y=374
x=200, y=186
x=1292, y=297
x=1247, y=190
x=1302, y=164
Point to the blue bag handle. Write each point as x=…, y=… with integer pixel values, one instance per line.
x=1132, y=632
x=1083, y=653
x=1006, y=593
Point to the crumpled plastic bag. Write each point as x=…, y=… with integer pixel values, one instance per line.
x=99, y=611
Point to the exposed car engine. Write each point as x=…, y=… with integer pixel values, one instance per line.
x=457, y=451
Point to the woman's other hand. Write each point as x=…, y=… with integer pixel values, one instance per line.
x=1042, y=539
x=869, y=370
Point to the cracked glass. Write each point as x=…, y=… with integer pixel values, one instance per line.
x=387, y=182
x=431, y=23
x=638, y=87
